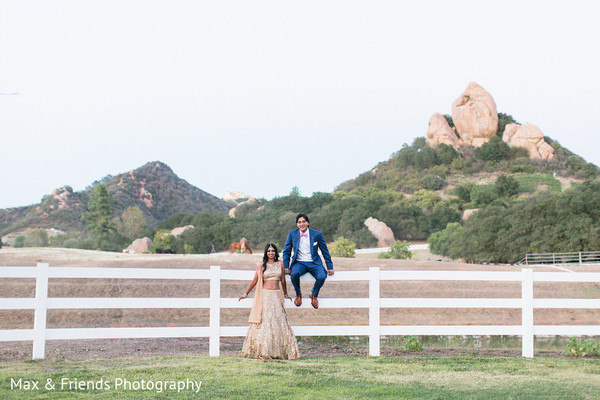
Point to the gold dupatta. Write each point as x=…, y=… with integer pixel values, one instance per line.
x=256, y=313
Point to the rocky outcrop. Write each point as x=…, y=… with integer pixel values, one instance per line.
x=439, y=131
x=237, y=199
x=475, y=115
x=139, y=246
x=468, y=213
x=383, y=233
x=530, y=137
x=178, y=231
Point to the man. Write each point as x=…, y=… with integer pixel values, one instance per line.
x=306, y=244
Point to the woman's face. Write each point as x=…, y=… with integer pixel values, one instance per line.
x=271, y=253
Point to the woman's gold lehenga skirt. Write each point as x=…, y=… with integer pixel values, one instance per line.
x=273, y=337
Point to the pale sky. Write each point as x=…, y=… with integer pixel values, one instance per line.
x=262, y=96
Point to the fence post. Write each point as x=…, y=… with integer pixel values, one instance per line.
x=41, y=307
x=527, y=312
x=579, y=257
x=215, y=311
x=374, y=320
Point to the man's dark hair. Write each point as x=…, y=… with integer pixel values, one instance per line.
x=302, y=216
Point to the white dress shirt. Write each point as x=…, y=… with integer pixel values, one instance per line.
x=304, y=248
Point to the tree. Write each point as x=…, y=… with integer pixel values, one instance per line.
x=163, y=240
x=503, y=120
x=133, y=223
x=37, y=238
x=493, y=150
x=440, y=242
x=506, y=186
x=482, y=195
x=446, y=154
x=101, y=224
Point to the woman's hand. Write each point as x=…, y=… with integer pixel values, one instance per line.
x=242, y=297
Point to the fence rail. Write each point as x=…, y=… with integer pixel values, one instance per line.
x=581, y=257
x=374, y=303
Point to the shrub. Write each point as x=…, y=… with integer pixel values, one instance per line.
x=412, y=343
x=463, y=192
x=399, y=250
x=578, y=348
x=426, y=198
x=433, y=182
x=19, y=241
x=342, y=247
x=482, y=195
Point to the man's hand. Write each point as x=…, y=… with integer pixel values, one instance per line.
x=330, y=272
x=286, y=271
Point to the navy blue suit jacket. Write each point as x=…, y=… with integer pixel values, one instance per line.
x=316, y=241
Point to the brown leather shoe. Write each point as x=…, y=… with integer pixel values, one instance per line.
x=314, y=301
x=298, y=300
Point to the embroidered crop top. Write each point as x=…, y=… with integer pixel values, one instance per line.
x=273, y=272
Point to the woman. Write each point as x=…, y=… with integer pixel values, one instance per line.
x=270, y=334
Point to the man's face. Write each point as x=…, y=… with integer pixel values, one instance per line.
x=302, y=224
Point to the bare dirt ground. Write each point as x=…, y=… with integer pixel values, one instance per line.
x=87, y=349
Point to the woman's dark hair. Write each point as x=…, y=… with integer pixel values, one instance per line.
x=265, y=258
x=302, y=216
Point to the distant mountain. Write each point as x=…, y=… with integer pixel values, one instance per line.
x=154, y=188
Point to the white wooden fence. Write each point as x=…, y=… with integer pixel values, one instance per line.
x=527, y=330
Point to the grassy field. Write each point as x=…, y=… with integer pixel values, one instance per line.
x=409, y=377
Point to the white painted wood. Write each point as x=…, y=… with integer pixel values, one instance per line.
x=129, y=273
x=18, y=272
x=126, y=302
x=567, y=303
x=215, y=311
x=450, y=276
x=374, y=313
x=406, y=330
x=9, y=335
x=567, y=330
x=39, y=319
x=527, y=313
x=17, y=303
x=418, y=302
x=566, y=276
x=125, y=333
x=338, y=330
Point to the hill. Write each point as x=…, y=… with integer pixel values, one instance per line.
x=154, y=188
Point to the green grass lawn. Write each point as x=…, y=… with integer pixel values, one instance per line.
x=530, y=183
x=409, y=377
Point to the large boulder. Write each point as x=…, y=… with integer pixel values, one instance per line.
x=475, y=115
x=530, y=137
x=139, y=246
x=178, y=231
x=439, y=131
x=467, y=213
x=383, y=233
